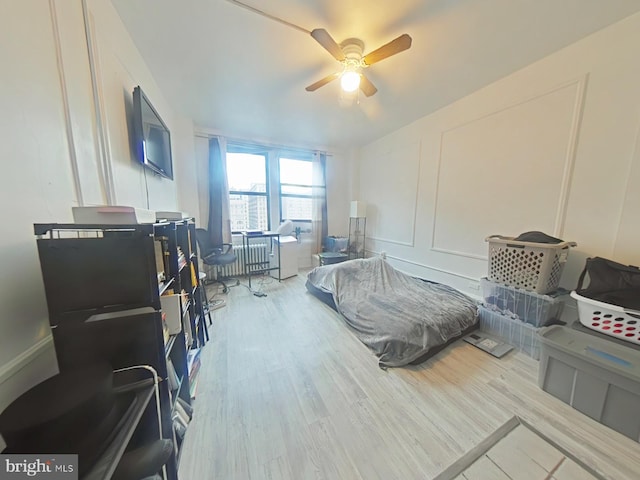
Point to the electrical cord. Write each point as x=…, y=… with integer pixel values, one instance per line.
x=264, y=280
x=146, y=185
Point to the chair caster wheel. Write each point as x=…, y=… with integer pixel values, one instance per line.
x=225, y=290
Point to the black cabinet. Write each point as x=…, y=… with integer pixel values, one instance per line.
x=106, y=286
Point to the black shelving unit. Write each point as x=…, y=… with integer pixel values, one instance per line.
x=106, y=465
x=103, y=292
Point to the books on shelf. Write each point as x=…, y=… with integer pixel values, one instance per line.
x=194, y=279
x=185, y=301
x=181, y=416
x=186, y=322
x=193, y=387
x=182, y=260
x=193, y=367
x=186, y=407
x=165, y=330
x=185, y=418
x=172, y=376
x=179, y=426
x=193, y=362
x=170, y=304
x=161, y=253
x=159, y=256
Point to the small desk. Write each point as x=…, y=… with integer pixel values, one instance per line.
x=256, y=263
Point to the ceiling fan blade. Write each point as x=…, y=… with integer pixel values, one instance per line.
x=403, y=42
x=366, y=86
x=321, y=36
x=321, y=83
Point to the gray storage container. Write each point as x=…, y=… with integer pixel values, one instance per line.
x=521, y=335
x=594, y=375
x=530, y=307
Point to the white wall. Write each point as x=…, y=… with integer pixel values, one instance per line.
x=58, y=150
x=340, y=191
x=552, y=147
x=36, y=180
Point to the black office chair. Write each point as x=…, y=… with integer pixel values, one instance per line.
x=215, y=255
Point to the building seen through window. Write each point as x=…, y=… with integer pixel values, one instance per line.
x=260, y=200
x=296, y=189
x=248, y=199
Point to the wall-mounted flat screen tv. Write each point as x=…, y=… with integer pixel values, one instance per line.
x=151, y=136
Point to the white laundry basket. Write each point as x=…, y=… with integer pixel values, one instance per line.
x=536, y=267
x=619, y=322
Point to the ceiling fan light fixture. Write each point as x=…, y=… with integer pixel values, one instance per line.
x=350, y=81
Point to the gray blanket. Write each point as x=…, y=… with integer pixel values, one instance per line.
x=397, y=316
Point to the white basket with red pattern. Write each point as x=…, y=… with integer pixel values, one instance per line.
x=609, y=319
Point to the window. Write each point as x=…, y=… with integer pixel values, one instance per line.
x=296, y=189
x=248, y=198
x=258, y=174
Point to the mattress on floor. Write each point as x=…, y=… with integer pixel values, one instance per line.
x=402, y=319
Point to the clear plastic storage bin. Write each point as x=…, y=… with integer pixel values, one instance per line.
x=521, y=335
x=530, y=307
x=536, y=267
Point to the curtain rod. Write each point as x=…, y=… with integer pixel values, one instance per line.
x=244, y=141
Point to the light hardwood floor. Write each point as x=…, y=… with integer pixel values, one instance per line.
x=287, y=392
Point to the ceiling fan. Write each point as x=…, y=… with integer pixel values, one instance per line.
x=349, y=54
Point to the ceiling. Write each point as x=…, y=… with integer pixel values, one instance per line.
x=241, y=74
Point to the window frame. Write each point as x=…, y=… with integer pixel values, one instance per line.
x=301, y=158
x=264, y=153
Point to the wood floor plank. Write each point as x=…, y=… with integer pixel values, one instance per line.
x=335, y=460
x=286, y=391
x=535, y=447
x=485, y=469
x=514, y=462
x=278, y=469
x=570, y=470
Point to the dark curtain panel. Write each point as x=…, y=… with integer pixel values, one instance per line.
x=319, y=227
x=217, y=182
x=324, y=228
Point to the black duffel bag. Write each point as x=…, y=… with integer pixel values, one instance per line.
x=611, y=282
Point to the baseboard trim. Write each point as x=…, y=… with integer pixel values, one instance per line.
x=11, y=368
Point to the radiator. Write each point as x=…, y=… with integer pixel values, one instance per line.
x=258, y=252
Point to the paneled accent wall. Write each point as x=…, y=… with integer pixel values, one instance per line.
x=389, y=182
x=507, y=171
x=551, y=147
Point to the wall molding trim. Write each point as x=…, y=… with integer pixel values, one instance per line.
x=568, y=167
x=412, y=242
x=422, y=265
x=73, y=156
x=394, y=242
x=459, y=254
x=102, y=138
x=570, y=160
x=11, y=368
